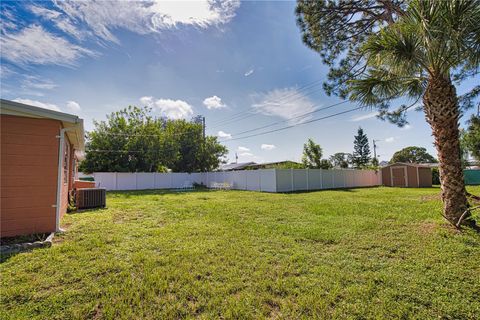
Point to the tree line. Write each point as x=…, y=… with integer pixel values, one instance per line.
x=132, y=140
x=360, y=158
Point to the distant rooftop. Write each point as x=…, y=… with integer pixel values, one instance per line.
x=235, y=166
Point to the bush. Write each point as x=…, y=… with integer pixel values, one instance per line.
x=435, y=176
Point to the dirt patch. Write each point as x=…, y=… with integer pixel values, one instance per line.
x=435, y=197
x=473, y=198
x=427, y=227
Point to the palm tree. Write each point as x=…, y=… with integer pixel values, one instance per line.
x=434, y=44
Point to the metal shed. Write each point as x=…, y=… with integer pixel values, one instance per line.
x=409, y=175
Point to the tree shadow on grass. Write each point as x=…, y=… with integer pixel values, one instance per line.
x=347, y=190
x=79, y=211
x=129, y=193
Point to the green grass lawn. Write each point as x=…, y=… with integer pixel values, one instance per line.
x=381, y=253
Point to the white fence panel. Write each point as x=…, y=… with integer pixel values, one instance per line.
x=253, y=180
x=284, y=180
x=126, y=181
x=300, y=179
x=349, y=178
x=239, y=180
x=314, y=179
x=327, y=179
x=338, y=179
x=162, y=180
x=268, y=181
x=178, y=179
x=145, y=180
x=105, y=180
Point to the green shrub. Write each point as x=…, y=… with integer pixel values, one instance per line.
x=435, y=176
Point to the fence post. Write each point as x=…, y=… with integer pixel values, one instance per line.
x=320, y=176
x=291, y=175
x=308, y=184
x=260, y=179
x=136, y=181
x=116, y=181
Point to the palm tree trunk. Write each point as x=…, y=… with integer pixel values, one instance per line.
x=442, y=113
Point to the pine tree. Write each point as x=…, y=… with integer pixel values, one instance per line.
x=361, y=150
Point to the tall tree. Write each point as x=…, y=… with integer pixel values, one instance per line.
x=312, y=155
x=361, y=150
x=132, y=140
x=413, y=155
x=341, y=160
x=392, y=49
x=471, y=137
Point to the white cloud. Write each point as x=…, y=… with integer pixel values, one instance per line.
x=286, y=103
x=34, y=44
x=102, y=17
x=246, y=154
x=33, y=82
x=249, y=72
x=362, y=117
x=406, y=127
x=146, y=101
x=59, y=19
x=6, y=72
x=267, y=147
x=243, y=149
x=222, y=134
x=73, y=106
x=39, y=104
x=44, y=12
x=173, y=109
x=213, y=102
x=389, y=139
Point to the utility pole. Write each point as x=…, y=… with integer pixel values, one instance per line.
x=375, y=148
x=236, y=157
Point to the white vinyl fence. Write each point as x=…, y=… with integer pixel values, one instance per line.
x=268, y=180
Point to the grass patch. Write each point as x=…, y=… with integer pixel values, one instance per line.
x=368, y=253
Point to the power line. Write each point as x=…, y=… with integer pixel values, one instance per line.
x=243, y=116
x=298, y=92
x=294, y=125
x=287, y=120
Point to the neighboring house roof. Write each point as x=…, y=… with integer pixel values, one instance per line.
x=76, y=135
x=259, y=165
x=383, y=163
x=235, y=166
x=420, y=165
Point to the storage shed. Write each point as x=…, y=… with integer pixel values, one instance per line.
x=410, y=175
x=40, y=149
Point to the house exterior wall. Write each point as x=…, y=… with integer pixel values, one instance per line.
x=28, y=175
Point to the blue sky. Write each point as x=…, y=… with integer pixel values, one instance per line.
x=184, y=59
